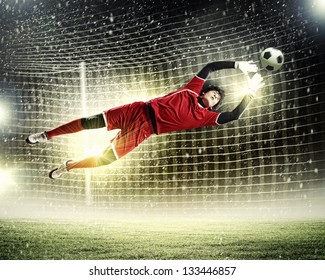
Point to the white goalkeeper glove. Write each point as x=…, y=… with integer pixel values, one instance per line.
x=246, y=66
x=254, y=83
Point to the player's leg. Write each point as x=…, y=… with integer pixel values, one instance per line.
x=106, y=157
x=136, y=127
x=93, y=122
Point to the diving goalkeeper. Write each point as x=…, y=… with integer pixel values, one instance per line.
x=189, y=107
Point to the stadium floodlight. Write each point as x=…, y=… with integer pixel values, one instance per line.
x=318, y=8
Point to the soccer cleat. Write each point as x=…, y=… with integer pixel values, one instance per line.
x=57, y=172
x=36, y=138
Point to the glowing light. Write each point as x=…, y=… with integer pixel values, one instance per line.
x=6, y=179
x=4, y=113
x=238, y=90
x=98, y=140
x=318, y=7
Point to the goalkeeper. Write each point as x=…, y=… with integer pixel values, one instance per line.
x=186, y=108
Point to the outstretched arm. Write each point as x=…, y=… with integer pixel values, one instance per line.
x=254, y=84
x=215, y=66
x=197, y=81
x=244, y=66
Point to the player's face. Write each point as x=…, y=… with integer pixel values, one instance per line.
x=211, y=98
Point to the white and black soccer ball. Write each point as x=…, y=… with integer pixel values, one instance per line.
x=272, y=59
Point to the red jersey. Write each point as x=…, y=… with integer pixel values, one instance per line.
x=180, y=109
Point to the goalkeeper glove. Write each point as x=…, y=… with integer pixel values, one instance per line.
x=246, y=66
x=254, y=84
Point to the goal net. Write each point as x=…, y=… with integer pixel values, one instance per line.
x=62, y=62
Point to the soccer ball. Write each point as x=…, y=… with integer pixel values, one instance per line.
x=272, y=59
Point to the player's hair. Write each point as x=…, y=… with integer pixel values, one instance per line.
x=219, y=90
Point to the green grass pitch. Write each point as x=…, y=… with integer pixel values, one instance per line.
x=163, y=240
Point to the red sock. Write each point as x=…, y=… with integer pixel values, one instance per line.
x=89, y=162
x=70, y=127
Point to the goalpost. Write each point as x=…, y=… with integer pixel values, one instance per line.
x=84, y=100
